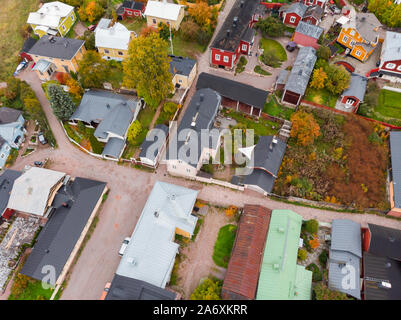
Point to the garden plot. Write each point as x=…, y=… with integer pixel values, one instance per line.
x=22, y=231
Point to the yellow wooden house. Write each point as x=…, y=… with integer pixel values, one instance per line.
x=157, y=12
x=360, y=35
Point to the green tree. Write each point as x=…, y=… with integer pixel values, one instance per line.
x=33, y=107
x=170, y=107
x=323, y=52
x=93, y=70
x=302, y=254
x=61, y=103
x=133, y=131
x=312, y=226
x=338, y=78
x=270, y=59
x=147, y=68
x=271, y=27
x=164, y=31
x=209, y=289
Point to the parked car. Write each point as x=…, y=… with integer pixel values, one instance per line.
x=124, y=246
x=92, y=27
x=105, y=290
x=334, y=9
x=42, y=138
x=38, y=163
x=22, y=65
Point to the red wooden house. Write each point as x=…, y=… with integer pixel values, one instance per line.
x=320, y=3
x=297, y=12
x=355, y=93
x=131, y=9
x=236, y=36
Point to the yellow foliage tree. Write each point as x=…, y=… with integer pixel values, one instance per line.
x=201, y=13
x=318, y=79
x=304, y=128
x=75, y=88
x=231, y=211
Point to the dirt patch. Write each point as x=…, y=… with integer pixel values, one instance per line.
x=197, y=262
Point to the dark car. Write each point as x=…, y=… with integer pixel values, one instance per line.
x=38, y=163
x=42, y=138
x=291, y=46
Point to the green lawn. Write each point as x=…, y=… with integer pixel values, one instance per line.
x=275, y=47
x=275, y=109
x=115, y=77
x=185, y=48
x=32, y=291
x=13, y=16
x=261, y=71
x=134, y=24
x=224, y=245
x=321, y=96
x=389, y=104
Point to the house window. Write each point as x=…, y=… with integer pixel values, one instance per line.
x=7, y=148
x=292, y=19
x=188, y=170
x=352, y=43
x=63, y=26
x=180, y=81
x=2, y=156
x=217, y=57
x=350, y=101
x=352, y=32
x=72, y=17
x=244, y=47
x=345, y=39
x=106, y=51
x=358, y=53
x=154, y=21
x=136, y=13
x=66, y=69
x=390, y=65
x=120, y=53
x=399, y=68
x=225, y=59
x=174, y=167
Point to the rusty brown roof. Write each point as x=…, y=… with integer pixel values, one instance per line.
x=243, y=269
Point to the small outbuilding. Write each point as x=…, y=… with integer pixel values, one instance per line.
x=355, y=93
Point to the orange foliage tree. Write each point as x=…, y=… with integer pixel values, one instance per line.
x=314, y=243
x=201, y=13
x=318, y=79
x=304, y=128
x=75, y=88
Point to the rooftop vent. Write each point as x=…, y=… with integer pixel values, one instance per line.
x=388, y=265
x=65, y=204
x=276, y=266
x=108, y=106
x=235, y=21
x=242, y=4
x=280, y=229
x=274, y=141
x=47, y=250
x=391, y=239
x=384, y=285
x=201, y=97
x=132, y=261
x=156, y=214
x=228, y=33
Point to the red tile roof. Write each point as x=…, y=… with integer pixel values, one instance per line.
x=243, y=269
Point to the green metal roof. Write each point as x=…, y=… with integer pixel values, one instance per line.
x=280, y=277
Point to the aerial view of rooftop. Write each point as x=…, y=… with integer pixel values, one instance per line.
x=235, y=150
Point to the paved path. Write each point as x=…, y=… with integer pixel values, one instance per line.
x=129, y=189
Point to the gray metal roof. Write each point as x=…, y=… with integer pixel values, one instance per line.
x=345, y=255
x=357, y=87
x=391, y=49
x=385, y=241
x=233, y=90
x=114, y=147
x=61, y=232
x=153, y=138
x=125, y=288
x=346, y=236
x=261, y=179
x=6, y=185
x=301, y=70
x=298, y=8
x=150, y=254
x=9, y=115
x=309, y=30
x=56, y=47
x=395, y=148
x=114, y=112
x=203, y=109
x=315, y=11
x=282, y=77
x=180, y=65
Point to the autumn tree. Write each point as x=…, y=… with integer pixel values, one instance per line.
x=61, y=103
x=33, y=107
x=322, y=292
x=319, y=78
x=304, y=128
x=209, y=289
x=91, y=11
x=147, y=68
x=133, y=131
x=93, y=70
x=75, y=88
x=169, y=107
x=338, y=78
x=201, y=13
x=189, y=30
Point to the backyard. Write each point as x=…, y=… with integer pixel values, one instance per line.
x=275, y=109
x=84, y=136
x=346, y=164
x=383, y=105
x=321, y=96
x=13, y=17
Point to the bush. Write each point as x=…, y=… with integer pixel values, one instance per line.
x=323, y=257
x=312, y=226
x=224, y=245
x=302, y=254
x=97, y=147
x=317, y=275
x=270, y=59
x=209, y=289
x=170, y=107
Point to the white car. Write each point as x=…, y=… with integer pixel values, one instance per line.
x=124, y=246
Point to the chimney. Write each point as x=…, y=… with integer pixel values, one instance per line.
x=228, y=33
x=242, y=4
x=235, y=20
x=201, y=97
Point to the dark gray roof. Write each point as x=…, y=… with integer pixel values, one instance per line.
x=309, y=30
x=6, y=184
x=266, y=162
x=124, y=288
x=132, y=5
x=301, y=70
x=314, y=11
x=365, y=24
x=357, y=87
x=114, y=147
x=297, y=7
x=181, y=65
x=244, y=15
x=64, y=227
x=378, y=268
x=114, y=112
x=152, y=138
x=234, y=90
x=203, y=109
x=9, y=115
x=28, y=44
x=345, y=252
x=395, y=148
x=385, y=241
x=56, y=47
